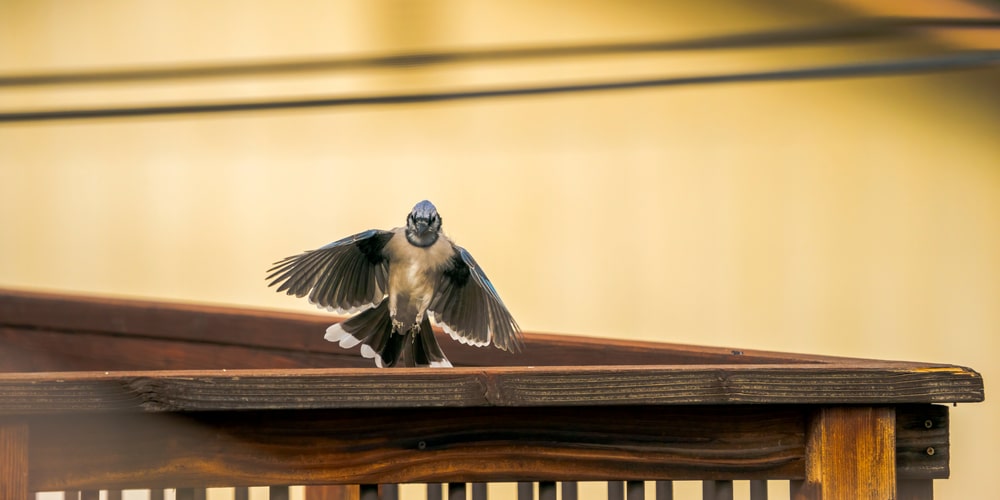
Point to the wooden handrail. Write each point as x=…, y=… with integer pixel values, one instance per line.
x=702, y=413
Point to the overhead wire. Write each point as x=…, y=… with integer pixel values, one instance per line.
x=862, y=29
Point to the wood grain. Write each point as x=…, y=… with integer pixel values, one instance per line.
x=549, y=386
x=206, y=449
x=922, y=442
x=14, y=463
x=850, y=455
x=204, y=328
x=247, y=397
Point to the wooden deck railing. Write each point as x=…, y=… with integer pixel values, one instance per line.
x=104, y=394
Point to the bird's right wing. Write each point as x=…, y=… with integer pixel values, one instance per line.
x=346, y=276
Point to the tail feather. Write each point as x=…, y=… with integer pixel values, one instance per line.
x=373, y=330
x=432, y=354
x=422, y=349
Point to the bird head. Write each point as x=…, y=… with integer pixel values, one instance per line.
x=423, y=225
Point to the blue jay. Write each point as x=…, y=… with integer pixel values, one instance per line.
x=424, y=276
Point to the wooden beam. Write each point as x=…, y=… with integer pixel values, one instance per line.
x=216, y=390
x=14, y=463
x=276, y=333
x=850, y=454
x=431, y=445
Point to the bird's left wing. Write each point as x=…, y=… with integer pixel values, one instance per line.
x=467, y=306
x=345, y=276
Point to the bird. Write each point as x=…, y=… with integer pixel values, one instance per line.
x=398, y=282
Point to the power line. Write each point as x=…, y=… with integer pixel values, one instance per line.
x=858, y=29
x=963, y=60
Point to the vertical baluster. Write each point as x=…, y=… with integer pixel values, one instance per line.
x=525, y=491
x=369, y=492
x=327, y=492
x=158, y=495
x=71, y=495
x=546, y=490
x=635, y=490
x=456, y=491
x=758, y=489
x=915, y=489
x=616, y=490
x=278, y=493
x=717, y=490
x=390, y=491
x=479, y=491
x=569, y=490
x=434, y=491
x=664, y=490
x=239, y=493
x=184, y=494
x=114, y=494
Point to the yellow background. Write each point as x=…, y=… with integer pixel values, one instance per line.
x=856, y=217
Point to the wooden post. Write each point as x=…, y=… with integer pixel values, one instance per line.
x=850, y=455
x=13, y=461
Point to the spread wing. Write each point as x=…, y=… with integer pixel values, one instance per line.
x=345, y=276
x=467, y=306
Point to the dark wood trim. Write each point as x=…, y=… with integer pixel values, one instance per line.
x=427, y=387
x=280, y=333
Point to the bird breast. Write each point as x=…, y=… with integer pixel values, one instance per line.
x=413, y=275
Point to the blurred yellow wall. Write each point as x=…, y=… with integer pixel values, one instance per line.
x=856, y=217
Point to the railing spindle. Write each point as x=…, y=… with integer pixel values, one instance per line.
x=389, y=491
x=434, y=491
x=239, y=493
x=114, y=494
x=635, y=490
x=569, y=490
x=758, y=489
x=158, y=495
x=717, y=490
x=616, y=490
x=456, y=491
x=546, y=490
x=278, y=493
x=369, y=492
x=915, y=489
x=479, y=491
x=327, y=492
x=664, y=490
x=525, y=491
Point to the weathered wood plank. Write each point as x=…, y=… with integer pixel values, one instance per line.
x=275, y=332
x=42, y=350
x=850, y=454
x=549, y=386
x=410, y=445
x=14, y=460
x=922, y=442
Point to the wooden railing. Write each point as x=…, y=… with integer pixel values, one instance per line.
x=103, y=394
